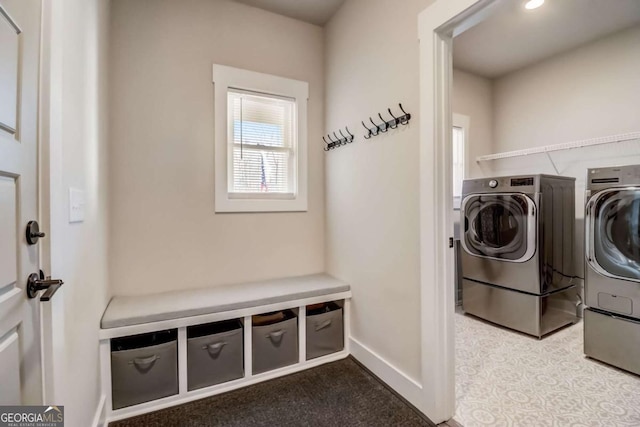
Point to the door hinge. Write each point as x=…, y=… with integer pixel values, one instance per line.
x=450, y=242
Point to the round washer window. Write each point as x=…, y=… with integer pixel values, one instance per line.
x=496, y=225
x=616, y=240
x=625, y=232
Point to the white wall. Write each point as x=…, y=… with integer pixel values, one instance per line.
x=165, y=234
x=372, y=185
x=472, y=96
x=79, y=160
x=589, y=92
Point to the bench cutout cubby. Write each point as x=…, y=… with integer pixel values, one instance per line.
x=274, y=340
x=144, y=368
x=214, y=353
x=325, y=329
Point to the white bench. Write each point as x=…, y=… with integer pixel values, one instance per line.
x=132, y=315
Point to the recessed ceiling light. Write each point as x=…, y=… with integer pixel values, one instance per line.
x=533, y=4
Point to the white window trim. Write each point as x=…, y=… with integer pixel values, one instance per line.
x=225, y=78
x=462, y=121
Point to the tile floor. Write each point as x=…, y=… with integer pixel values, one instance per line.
x=504, y=378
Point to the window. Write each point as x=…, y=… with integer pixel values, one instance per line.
x=263, y=144
x=459, y=149
x=260, y=140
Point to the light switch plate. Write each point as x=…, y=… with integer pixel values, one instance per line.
x=76, y=205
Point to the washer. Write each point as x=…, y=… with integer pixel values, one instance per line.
x=518, y=251
x=612, y=276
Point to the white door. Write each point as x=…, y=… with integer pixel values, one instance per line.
x=20, y=365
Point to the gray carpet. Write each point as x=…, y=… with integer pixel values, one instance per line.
x=336, y=394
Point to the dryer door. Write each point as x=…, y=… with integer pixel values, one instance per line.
x=613, y=226
x=499, y=226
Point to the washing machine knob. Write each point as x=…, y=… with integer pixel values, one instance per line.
x=493, y=183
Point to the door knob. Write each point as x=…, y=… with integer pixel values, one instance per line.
x=36, y=283
x=33, y=232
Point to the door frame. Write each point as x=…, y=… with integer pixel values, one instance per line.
x=437, y=25
x=52, y=317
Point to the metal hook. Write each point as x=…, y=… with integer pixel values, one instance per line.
x=395, y=119
x=325, y=141
x=351, y=136
x=405, y=119
x=377, y=127
x=339, y=141
x=348, y=137
x=384, y=123
x=369, y=134
x=344, y=138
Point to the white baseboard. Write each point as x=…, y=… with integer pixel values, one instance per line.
x=100, y=417
x=392, y=376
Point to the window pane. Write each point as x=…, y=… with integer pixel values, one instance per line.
x=458, y=160
x=262, y=142
x=260, y=171
x=261, y=120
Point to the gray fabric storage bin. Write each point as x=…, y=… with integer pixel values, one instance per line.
x=325, y=331
x=214, y=354
x=144, y=368
x=275, y=345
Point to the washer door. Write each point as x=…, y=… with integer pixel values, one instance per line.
x=499, y=226
x=613, y=224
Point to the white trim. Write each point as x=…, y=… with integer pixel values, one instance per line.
x=464, y=122
x=436, y=25
x=564, y=146
x=302, y=333
x=183, y=386
x=51, y=209
x=105, y=374
x=248, y=346
x=404, y=385
x=225, y=77
x=99, y=418
x=346, y=313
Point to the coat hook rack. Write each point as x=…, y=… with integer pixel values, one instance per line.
x=386, y=124
x=339, y=141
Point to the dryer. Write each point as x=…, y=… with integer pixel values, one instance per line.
x=518, y=251
x=612, y=266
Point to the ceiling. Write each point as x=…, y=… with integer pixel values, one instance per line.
x=513, y=37
x=313, y=11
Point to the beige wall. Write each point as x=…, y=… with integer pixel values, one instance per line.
x=372, y=185
x=165, y=234
x=472, y=96
x=587, y=93
x=79, y=160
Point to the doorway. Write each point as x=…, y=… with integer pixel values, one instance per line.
x=440, y=26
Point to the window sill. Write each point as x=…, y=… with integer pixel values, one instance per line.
x=239, y=205
x=262, y=196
